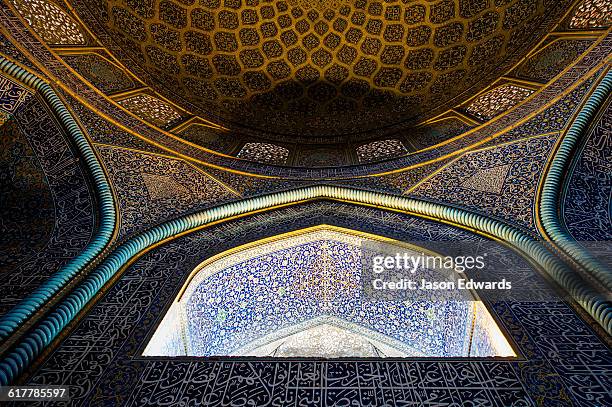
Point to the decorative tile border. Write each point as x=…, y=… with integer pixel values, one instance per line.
x=551, y=193
x=27, y=307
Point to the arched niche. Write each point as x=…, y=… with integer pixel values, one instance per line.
x=301, y=294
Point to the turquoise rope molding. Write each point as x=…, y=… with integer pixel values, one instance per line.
x=37, y=339
x=553, y=186
x=10, y=321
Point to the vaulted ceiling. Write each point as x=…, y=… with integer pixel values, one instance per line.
x=320, y=69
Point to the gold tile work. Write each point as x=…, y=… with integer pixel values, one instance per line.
x=314, y=68
x=488, y=180
x=264, y=153
x=49, y=21
x=380, y=150
x=498, y=100
x=592, y=14
x=151, y=109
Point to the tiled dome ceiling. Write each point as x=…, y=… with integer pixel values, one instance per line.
x=313, y=67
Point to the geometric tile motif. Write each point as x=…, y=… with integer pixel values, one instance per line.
x=49, y=21
x=488, y=180
x=10, y=50
x=152, y=188
x=513, y=175
x=292, y=68
x=380, y=150
x=320, y=5
x=498, y=100
x=151, y=109
x=592, y=14
x=264, y=153
x=552, y=119
x=400, y=182
x=162, y=186
x=246, y=185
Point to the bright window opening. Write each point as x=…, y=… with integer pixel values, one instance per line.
x=301, y=295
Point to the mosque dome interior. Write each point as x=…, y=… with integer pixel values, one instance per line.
x=306, y=202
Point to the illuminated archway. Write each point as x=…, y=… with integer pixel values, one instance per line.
x=301, y=294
